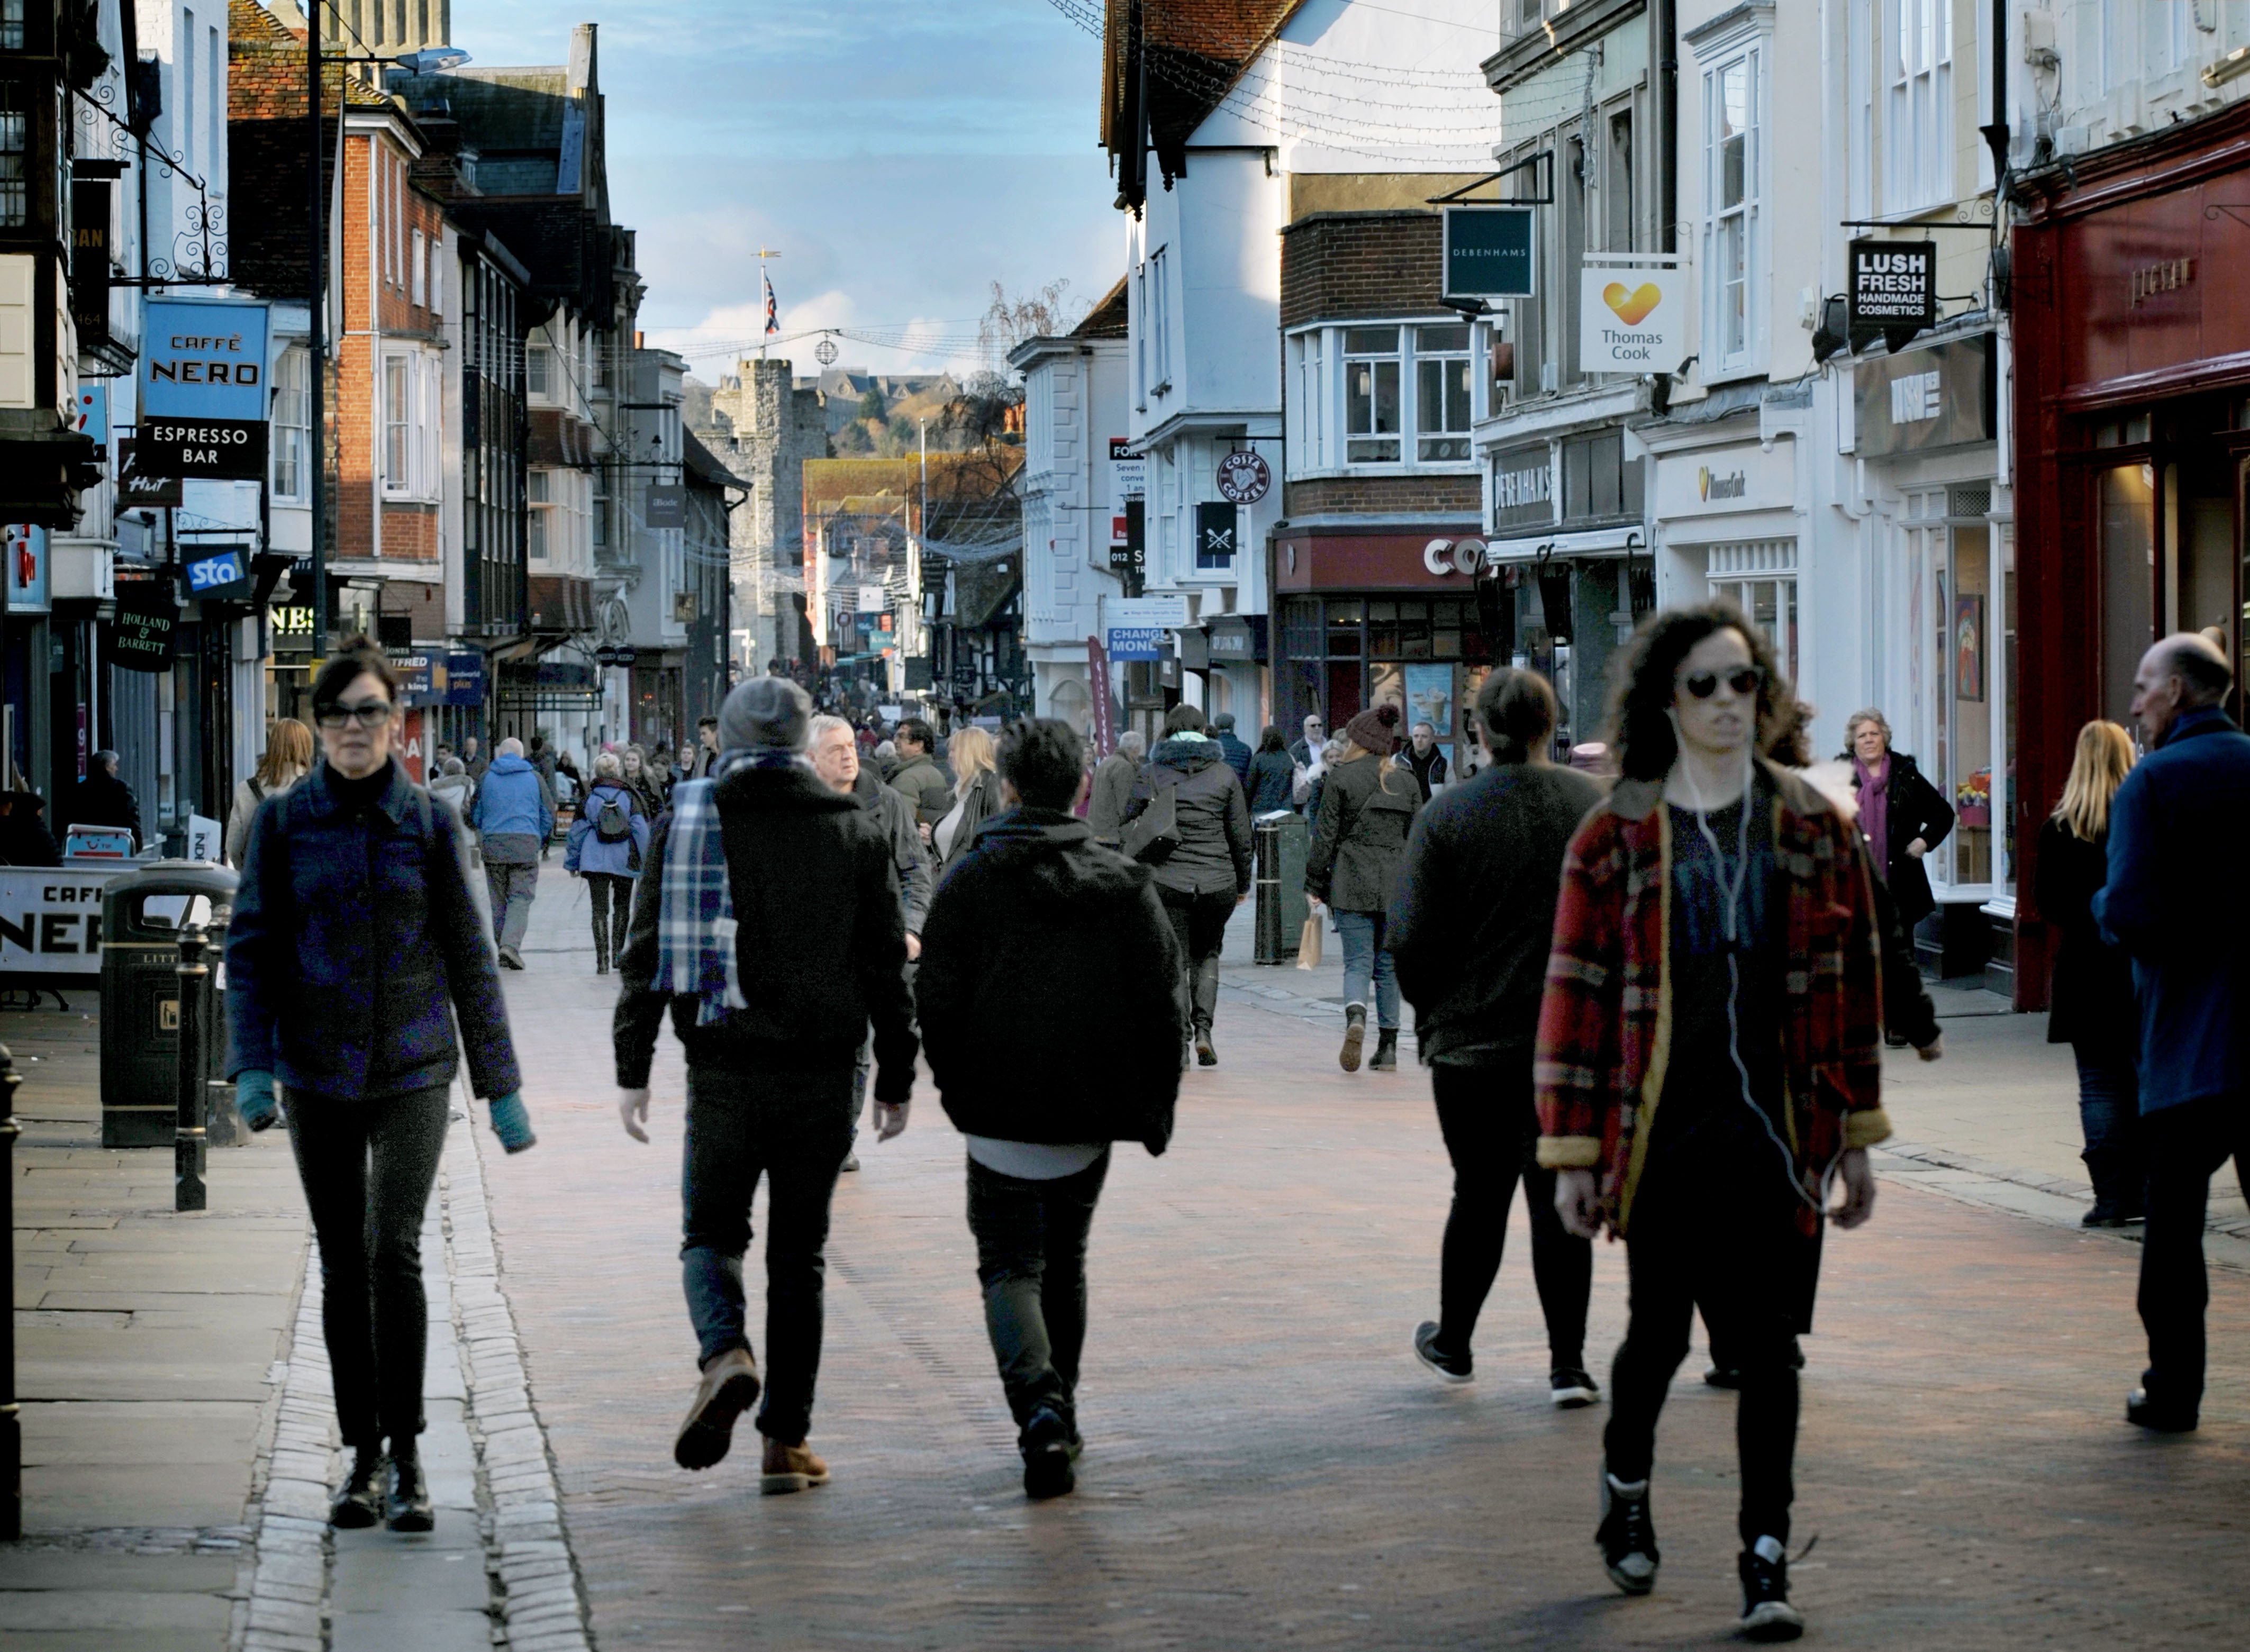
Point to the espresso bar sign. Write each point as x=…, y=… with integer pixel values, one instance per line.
x=203, y=391
x=1894, y=286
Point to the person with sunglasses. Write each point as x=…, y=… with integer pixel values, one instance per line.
x=1709, y=1060
x=356, y=943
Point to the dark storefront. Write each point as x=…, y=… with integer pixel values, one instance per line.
x=2132, y=404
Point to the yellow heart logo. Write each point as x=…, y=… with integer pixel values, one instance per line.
x=1631, y=307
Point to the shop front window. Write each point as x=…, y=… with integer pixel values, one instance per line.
x=1968, y=687
x=2127, y=494
x=1972, y=626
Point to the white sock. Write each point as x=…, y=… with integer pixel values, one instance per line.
x=1628, y=1489
x=1769, y=1550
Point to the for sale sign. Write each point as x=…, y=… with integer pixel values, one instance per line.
x=1894, y=286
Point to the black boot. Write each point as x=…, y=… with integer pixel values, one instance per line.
x=358, y=1502
x=1355, y=1034
x=407, y=1508
x=1386, y=1051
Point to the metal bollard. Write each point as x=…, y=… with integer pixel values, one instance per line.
x=188, y=1139
x=11, y=1427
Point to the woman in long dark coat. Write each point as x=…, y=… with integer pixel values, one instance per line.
x=1903, y=816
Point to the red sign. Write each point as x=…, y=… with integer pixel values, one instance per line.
x=1376, y=562
x=1097, y=678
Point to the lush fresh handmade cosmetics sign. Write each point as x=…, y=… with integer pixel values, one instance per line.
x=203, y=391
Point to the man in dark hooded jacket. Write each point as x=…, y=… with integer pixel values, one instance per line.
x=1032, y=924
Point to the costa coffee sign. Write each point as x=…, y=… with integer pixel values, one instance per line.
x=1443, y=556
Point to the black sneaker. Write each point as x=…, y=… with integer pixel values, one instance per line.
x=1572, y=1387
x=1045, y=1446
x=1627, y=1535
x=1451, y=1367
x=2144, y=1412
x=1767, y=1615
x=358, y=1502
x=409, y=1508
x=1722, y=1377
x=1207, y=1051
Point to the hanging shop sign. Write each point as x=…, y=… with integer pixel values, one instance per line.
x=93, y=412
x=89, y=268
x=28, y=556
x=607, y=656
x=1926, y=399
x=1244, y=478
x=665, y=506
x=137, y=491
x=203, y=391
x=147, y=620
x=1632, y=314
x=217, y=573
x=1237, y=639
x=1489, y=252
x=464, y=679
x=1892, y=290
x=1216, y=523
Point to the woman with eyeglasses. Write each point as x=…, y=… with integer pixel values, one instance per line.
x=357, y=942
x=1708, y=1063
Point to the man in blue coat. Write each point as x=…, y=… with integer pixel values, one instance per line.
x=1231, y=747
x=2176, y=900
x=514, y=818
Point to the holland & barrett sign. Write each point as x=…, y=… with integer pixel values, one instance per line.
x=203, y=391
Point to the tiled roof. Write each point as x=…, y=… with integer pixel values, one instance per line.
x=1105, y=319
x=1194, y=53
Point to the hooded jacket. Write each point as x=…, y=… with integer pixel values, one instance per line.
x=923, y=785
x=1213, y=817
x=512, y=804
x=1033, y=924
x=589, y=851
x=1367, y=806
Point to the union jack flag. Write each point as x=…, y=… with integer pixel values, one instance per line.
x=773, y=320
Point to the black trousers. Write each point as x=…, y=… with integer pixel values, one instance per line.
x=611, y=896
x=1199, y=921
x=1031, y=1259
x=2186, y=1146
x=1492, y=1135
x=793, y=1128
x=368, y=1167
x=1716, y=1230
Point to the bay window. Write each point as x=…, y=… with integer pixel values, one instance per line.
x=1444, y=386
x=1401, y=394
x=1370, y=395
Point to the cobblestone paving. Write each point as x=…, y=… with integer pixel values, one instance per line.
x=1266, y=1465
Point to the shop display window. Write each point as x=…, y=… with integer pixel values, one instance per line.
x=1972, y=627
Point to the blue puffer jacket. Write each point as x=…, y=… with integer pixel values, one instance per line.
x=356, y=942
x=512, y=797
x=586, y=851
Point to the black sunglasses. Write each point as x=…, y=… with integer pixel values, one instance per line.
x=1742, y=679
x=371, y=713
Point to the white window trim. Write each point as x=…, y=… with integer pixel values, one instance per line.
x=1918, y=158
x=1718, y=363
x=418, y=269
x=422, y=480
x=1317, y=437
x=299, y=495
x=1160, y=324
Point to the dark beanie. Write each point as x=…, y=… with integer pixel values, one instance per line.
x=1376, y=729
x=765, y=712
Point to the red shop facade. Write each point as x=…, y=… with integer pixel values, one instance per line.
x=1414, y=619
x=2131, y=300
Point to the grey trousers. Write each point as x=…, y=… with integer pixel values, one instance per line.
x=511, y=887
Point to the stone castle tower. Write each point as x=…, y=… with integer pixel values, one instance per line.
x=771, y=426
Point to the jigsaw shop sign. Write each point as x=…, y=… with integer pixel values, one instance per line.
x=203, y=394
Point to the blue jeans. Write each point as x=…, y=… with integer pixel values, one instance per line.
x=794, y=1127
x=1366, y=956
x=2109, y=1112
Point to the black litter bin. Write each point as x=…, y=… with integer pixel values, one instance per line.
x=143, y=914
x=1282, y=840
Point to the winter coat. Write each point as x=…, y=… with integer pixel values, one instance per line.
x=1359, y=837
x=979, y=804
x=248, y=797
x=1469, y=931
x=458, y=790
x=1916, y=809
x=1273, y=782
x=2175, y=900
x=588, y=851
x=1033, y=924
x=1605, y=1020
x=513, y=814
x=102, y=799
x=356, y=942
x=924, y=786
x=819, y=940
x=1107, y=799
x=25, y=839
x=2091, y=1004
x=1429, y=767
x=1213, y=818
x=1236, y=753
x=894, y=816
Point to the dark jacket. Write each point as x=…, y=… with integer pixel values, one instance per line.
x=1429, y=767
x=102, y=799
x=1476, y=912
x=1236, y=753
x=1214, y=819
x=355, y=942
x=1111, y=793
x=893, y=817
x=1033, y=924
x=979, y=804
x=2091, y=1003
x=25, y=839
x=1915, y=808
x=1272, y=783
x=819, y=940
x=2176, y=899
x=1359, y=837
x=923, y=785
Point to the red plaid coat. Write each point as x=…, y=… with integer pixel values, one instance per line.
x=1606, y=1021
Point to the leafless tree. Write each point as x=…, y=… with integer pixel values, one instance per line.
x=1007, y=322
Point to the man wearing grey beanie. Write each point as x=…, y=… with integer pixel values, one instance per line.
x=769, y=924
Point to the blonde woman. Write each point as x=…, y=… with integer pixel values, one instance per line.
x=2092, y=1007
x=288, y=759
x=975, y=794
x=1368, y=805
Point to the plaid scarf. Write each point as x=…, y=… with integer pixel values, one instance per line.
x=695, y=952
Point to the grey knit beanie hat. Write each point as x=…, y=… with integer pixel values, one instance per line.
x=770, y=713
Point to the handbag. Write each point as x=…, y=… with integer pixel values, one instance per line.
x=1308, y=943
x=1151, y=836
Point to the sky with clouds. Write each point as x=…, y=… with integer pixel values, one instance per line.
x=901, y=155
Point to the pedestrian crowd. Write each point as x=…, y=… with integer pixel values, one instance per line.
x=1656, y=998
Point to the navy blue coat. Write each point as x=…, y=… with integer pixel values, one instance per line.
x=2177, y=900
x=354, y=941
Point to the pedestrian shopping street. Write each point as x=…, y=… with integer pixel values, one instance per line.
x=1265, y=1463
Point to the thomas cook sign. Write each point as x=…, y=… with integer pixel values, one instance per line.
x=1631, y=315
x=203, y=391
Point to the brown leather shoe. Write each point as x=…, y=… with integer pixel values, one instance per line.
x=729, y=1388
x=790, y=1468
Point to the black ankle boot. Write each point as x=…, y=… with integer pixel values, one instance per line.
x=1386, y=1051
x=407, y=1508
x=358, y=1502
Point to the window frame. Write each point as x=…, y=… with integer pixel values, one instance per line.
x=292, y=435
x=1745, y=217
x=1918, y=106
x=1319, y=402
x=410, y=447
